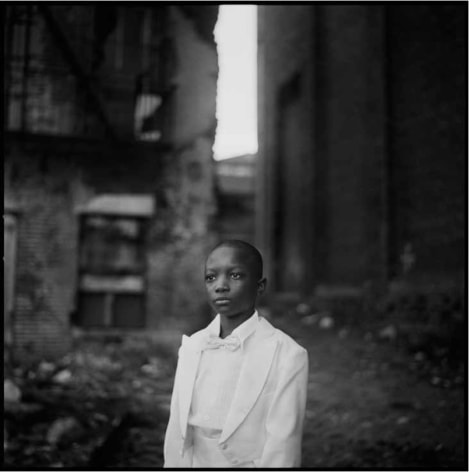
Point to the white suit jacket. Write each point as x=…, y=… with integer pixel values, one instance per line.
x=265, y=422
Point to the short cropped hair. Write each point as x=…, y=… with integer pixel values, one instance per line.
x=253, y=254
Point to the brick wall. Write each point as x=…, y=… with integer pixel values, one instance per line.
x=46, y=253
x=49, y=177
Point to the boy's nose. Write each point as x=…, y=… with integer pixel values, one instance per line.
x=222, y=286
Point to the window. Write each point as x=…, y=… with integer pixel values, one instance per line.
x=112, y=249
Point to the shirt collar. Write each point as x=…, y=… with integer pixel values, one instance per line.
x=243, y=331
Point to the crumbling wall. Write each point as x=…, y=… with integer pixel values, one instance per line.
x=46, y=261
x=183, y=233
x=49, y=177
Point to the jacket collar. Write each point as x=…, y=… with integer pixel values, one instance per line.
x=243, y=331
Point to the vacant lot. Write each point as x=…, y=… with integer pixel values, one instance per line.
x=373, y=403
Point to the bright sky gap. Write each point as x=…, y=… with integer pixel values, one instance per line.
x=236, y=37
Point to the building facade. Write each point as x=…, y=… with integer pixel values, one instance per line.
x=362, y=153
x=235, y=186
x=109, y=175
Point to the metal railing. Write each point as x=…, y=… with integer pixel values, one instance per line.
x=81, y=71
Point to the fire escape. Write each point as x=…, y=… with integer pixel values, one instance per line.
x=100, y=73
x=87, y=71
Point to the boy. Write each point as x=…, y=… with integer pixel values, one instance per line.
x=240, y=387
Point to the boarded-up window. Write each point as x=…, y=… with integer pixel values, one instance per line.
x=112, y=272
x=111, y=246
x=112, y=262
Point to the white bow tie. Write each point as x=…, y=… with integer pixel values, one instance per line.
x=230, y=342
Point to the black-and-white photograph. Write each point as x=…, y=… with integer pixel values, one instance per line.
x=235, y=235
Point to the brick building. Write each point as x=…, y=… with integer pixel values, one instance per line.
x=362, y=152
x=109, y=200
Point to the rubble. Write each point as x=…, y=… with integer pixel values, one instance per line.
x=71, y=406
x=46, y=368
x=419, y=356
x=62, y=377
x=11, y=393
x=388, y=333
x=64, y=430
x=303, y=309
x=326, y=322
x=343, y=333
x=153, y=367
x=310, y=320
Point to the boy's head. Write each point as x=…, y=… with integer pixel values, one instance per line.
x=233, y=277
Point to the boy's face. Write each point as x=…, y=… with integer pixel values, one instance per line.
x=231, y=281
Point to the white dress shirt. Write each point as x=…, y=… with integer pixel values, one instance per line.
x=216, y=380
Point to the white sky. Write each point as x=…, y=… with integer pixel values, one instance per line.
x=236, y=37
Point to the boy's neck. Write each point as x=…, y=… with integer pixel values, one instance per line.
x=229, y=324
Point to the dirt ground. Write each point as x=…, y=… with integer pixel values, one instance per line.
x=371, y=404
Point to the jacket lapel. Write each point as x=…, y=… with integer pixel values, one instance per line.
x=259, y=356
x=190, y=356
x=191, y=350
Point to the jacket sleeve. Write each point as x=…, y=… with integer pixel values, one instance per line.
x=285, y=417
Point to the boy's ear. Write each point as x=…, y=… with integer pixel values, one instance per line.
x=261, y=285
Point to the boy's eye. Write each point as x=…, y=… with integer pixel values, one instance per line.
x=209, y=278
x=235, y=275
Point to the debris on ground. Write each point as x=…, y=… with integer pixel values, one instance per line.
x=303, y=309
x=70, y=408
x=388, y=333
x=310, y=319
x=11, y=393
x=62, y=377
x=371, y=404
x=343, y=333
x=46, y=368
x=326, y=322
x=64, y=430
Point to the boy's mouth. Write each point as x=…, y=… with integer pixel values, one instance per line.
x=221, y=301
